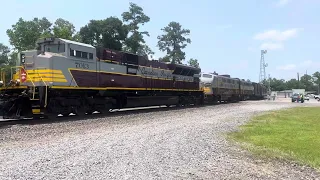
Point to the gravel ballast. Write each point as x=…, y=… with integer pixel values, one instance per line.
x=179, y=144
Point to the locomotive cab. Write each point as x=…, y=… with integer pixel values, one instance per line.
x=206, y=80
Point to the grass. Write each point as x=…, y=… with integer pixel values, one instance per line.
x=292, y=134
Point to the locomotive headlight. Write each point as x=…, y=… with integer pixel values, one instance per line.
x=18, y=82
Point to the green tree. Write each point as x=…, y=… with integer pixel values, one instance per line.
x=77, y=37
x=4, y=54
x=306, y=82
x=109, y=33
x=24, y=34
x=194, y=63
x=173, y=41
x=164, y=59
x=135, y=43
x=63, y=29
x=278, y=84
x=316, y=79
x=7, y=60
x=292, y=84
x=145, y=51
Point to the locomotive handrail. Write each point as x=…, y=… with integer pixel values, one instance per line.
x=25, y=72
x=46, y=94
x=34, y=89
x=3, y=76
x=34, y=86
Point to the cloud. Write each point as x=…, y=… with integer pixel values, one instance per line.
x=287, y=67
x=304, y=64
x=282, y=3
x=310, y=64
x=275, y=38
x=271, y=46
x=307, y=63
x=276, y=35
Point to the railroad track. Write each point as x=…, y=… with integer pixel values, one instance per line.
x=113, y=113
x=118, y=112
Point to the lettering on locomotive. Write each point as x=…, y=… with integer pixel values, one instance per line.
x=82, y=65
x=146, y=71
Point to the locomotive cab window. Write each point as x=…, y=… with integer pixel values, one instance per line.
x=207, y=75
x=54, y=48
x=80, y=54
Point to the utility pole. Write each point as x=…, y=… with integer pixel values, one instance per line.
x=263, y=65
x=269, y=84
x=298, y=81
x=307, y=80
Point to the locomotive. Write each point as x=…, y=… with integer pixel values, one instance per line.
x=62, y=77
x=224, y=88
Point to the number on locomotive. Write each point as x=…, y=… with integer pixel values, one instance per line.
x=82, y=65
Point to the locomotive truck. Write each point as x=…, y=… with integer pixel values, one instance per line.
x=62, y=77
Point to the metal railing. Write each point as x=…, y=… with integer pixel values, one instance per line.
x=3, y=74
x=46, y=86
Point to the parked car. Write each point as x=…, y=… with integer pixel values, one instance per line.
x=297, y=98
x=316, y=96
x=306, y=97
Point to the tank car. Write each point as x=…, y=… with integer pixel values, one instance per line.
x=63, y=77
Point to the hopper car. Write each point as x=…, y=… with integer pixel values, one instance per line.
x=63, y=77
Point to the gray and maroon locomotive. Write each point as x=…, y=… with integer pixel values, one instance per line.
x=63, y=77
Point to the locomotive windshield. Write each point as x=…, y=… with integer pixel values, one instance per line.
x=207, y=75
x=55, y=48
x=50, y=45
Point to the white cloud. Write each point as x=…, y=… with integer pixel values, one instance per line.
x=271, y=46
x=276, y=35
x=310, y=64
x=282, y=3
x=304, y=64
x=287, y=67
x=276, y=38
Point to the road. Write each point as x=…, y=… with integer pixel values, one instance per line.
x=179, y=144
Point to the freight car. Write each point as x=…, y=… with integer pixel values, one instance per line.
x=63, y=77
x=224, y=88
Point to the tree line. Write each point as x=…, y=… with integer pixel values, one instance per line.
x=307, y=82
x=119, y=34
x=123, y=34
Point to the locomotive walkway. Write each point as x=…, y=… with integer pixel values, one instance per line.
x=179, y=144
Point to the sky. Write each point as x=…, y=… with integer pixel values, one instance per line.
x=227, y=36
